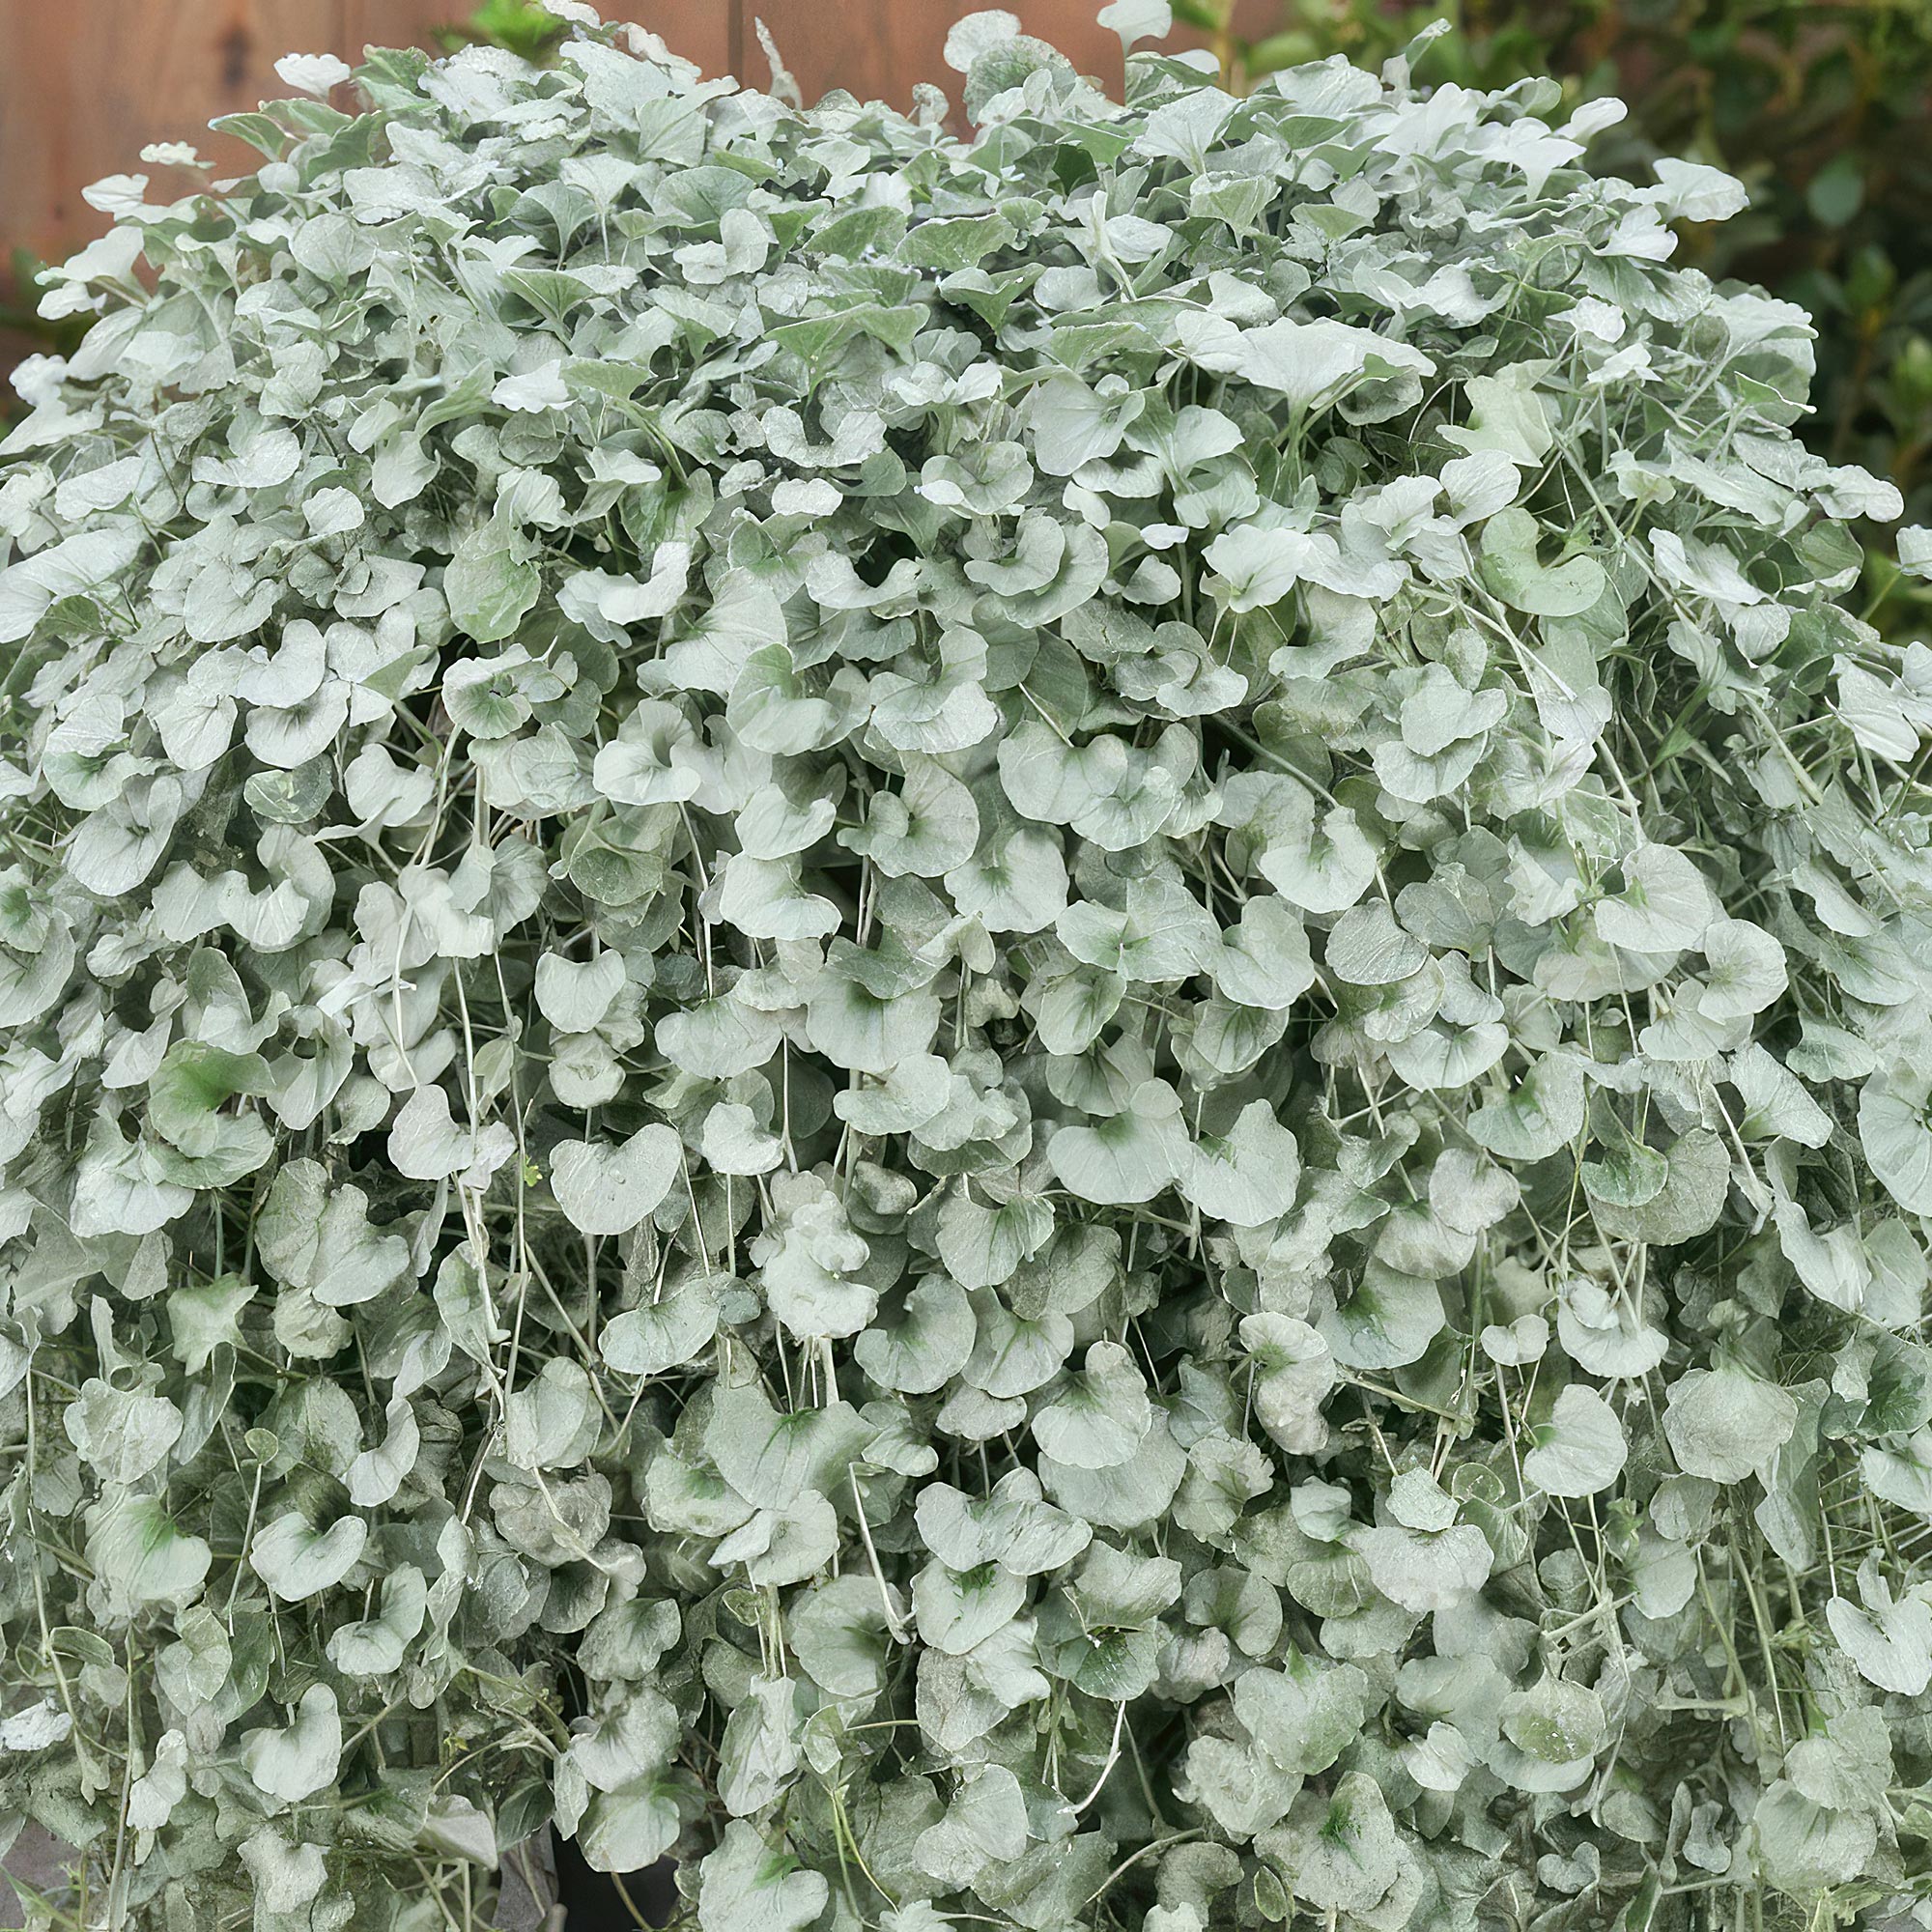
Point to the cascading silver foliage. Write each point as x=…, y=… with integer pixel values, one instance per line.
x=1024, y=1028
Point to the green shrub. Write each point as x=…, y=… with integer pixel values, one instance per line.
x=1027, y=1030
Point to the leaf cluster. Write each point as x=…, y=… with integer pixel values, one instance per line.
x=1814, y=105
x=1024, y=1028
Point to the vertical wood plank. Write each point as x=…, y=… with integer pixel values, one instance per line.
x=88, y=82
x=879, y=48
x=704, y=31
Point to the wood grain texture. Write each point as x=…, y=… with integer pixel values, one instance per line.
x=87, y=82
x=879, y=48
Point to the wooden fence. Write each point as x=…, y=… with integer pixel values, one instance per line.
x=85, y=83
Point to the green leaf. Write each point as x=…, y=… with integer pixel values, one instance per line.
x=1303, y=1716
x=839, y=1632
x=139, y=1554
x=606, y=1189
x=1581, y=1449
x=1336, y=1852
x=1889, y=1638
x=1101, y=1416
x=378, y=1645
x=1665, y=903
x=1726, y=1422
x=1542, y=1114
x=121, y=1432
x=1510, y=565
x=298, y=1561
x=1555, y=1720
x=1388, y=1320
x=1895, y=1131
x=1137, y=19
x=1132, y=1156
x=490, y=587
x=1312, y=364
x=747, y=1885
x=1426, y=1570
x=1294, y=1371
x=1248, y=1176
x=295, y=1763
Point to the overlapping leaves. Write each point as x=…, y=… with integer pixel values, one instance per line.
x=1028, y=1027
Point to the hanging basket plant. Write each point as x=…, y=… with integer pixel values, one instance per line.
x=1023, y=1027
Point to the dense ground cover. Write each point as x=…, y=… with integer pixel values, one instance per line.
x=1026, y=1026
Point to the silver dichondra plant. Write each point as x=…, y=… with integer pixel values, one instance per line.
x=1028, y=1029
